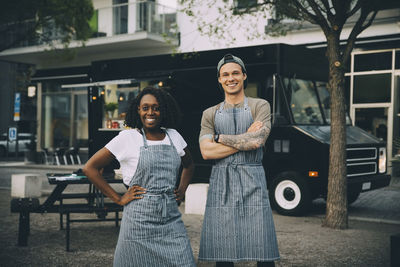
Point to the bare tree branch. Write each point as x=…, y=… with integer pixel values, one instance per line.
x=328, y=10
x=321, y=20
x=355, y=9
x=357, y=29
x=369, y=23
x=305, y=13
x=341, y=7
x=326, y=5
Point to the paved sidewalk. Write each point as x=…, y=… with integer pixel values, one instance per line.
x=302, y=240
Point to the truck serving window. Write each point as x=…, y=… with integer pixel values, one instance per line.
x=324, y=95
x=309, y=101
x=303, y=101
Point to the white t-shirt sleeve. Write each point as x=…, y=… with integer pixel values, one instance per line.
x=126, y=149
x=118, y=145
x=178, y=141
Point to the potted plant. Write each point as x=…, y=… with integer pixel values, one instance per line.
x=110, y=108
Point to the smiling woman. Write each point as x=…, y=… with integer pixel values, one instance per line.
x=150, y=155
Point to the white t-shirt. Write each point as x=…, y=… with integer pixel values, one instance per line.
x=126, y=149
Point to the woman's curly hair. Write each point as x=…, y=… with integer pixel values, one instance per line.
x=169, y=110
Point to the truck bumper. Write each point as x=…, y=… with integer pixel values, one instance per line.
x=370, y=182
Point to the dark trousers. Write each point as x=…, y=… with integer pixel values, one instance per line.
x=259, y=264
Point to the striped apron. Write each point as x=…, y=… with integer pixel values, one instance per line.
x=152, y=232
x=238, y=223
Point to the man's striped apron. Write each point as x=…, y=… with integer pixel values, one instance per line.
x=238, y=223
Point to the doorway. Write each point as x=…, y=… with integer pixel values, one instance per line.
x=373, y=120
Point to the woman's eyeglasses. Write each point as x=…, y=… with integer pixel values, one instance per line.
x=147, y=108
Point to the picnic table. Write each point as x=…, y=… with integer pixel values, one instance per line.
x=94, y=202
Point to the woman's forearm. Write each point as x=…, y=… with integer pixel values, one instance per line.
x=92, y=170
x=186, y=176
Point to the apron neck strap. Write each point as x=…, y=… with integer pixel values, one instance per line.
x=169, y=137
x=245, y=104
x=145, y=139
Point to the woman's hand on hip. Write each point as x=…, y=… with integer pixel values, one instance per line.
x=134, y=192
x=180, y=194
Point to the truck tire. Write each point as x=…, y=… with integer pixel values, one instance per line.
x=289, y=194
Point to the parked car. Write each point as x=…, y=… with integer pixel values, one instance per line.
x=24, y=141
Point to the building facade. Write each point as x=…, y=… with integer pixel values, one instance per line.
x=121, y=29
x=127, y=28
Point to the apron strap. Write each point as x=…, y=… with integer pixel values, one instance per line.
x=245, y=104
x=169, y=137
x=221, y=107
x=163, y=204
x=144, y=138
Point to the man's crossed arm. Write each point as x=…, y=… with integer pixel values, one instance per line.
x=227, y=145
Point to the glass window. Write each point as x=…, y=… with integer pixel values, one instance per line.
x=303, y=101
x=372, y=88
x=64, y=120
x=56, y=120
x=120, y=16
x=251, y=90
x=373, y=61
x=397, y=60
x=372, y=120
x=81, y=122
x=325, y=98
x=396, y=121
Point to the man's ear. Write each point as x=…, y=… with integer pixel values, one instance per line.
x=245, y=76
x=219, y=79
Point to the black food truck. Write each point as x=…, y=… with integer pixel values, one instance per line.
x=292, y=78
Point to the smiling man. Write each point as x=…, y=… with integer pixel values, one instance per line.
x=238, y=223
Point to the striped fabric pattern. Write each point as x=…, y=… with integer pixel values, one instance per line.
x=152, y=232
x=238, y=223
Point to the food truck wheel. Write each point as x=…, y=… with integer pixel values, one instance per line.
x=289, y=194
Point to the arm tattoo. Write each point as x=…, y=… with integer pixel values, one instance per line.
x=246, y=141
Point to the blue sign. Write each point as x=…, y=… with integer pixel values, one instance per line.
x=17, y=107
x=12, y=134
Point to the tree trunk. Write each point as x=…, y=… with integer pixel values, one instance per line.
x=336, y=206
